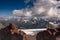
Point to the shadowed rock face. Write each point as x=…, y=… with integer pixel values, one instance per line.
x=58, y=33
x=11, y=33
x=5, y=34
x=45, y=35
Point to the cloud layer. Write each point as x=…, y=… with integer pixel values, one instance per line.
x=22, y=12
x=41, y=8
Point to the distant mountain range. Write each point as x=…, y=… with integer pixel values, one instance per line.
x=32, y=23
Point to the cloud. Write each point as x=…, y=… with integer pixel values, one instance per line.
x=22, y=13
x=5, y=18
x=18, y=12
x=54, y=1
x=41, y=8
x=27, y=1
x=28, y=13
x=52, y=12
x=45, y=8
x=38, y=11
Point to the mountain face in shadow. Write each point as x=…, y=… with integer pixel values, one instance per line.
x=5, y=34
x=49, y=34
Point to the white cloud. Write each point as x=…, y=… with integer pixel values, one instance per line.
x=54, y=1
x=18, y=12
x=22, y=13
x=45, y=8
x=41, y=8
x=38, y=10
x=52, y=12
x=28, y=13
x=5, y=18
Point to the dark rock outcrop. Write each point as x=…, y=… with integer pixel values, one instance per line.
x=49, y=34
x=5, y=34
x=11, y=32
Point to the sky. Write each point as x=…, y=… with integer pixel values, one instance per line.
x=30, y=8
x=7, y=6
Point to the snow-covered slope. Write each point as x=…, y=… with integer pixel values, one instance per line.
x=32, y=31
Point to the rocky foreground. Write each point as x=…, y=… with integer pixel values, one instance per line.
x=11, y=32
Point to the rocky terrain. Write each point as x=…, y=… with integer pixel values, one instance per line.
x=11, y=32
